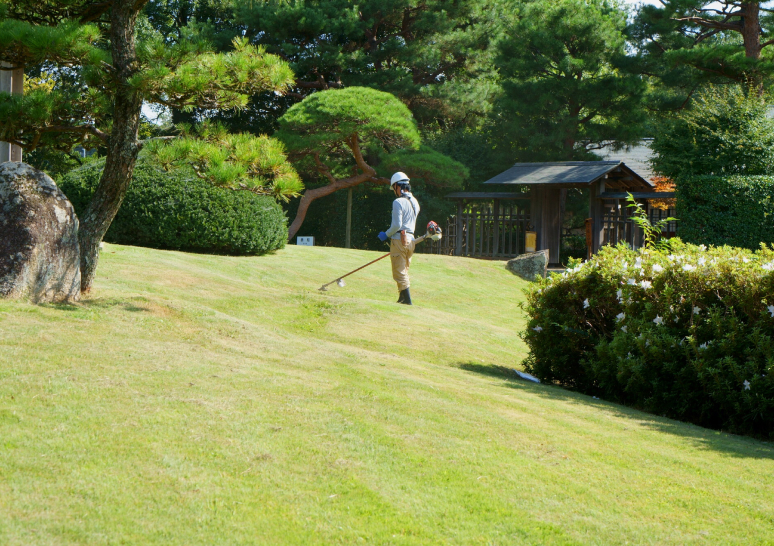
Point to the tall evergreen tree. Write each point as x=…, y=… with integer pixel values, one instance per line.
x=98, y=39
x=429, y=53
x=718, y=40
x=564, y=94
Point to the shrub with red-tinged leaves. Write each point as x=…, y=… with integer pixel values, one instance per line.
x=687, y=335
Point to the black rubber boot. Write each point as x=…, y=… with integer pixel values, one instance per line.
x=405, y=297
x=400, y=297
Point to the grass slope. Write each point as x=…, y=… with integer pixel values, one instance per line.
x=213, y=400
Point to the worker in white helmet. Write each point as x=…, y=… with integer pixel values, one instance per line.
x=405, y=210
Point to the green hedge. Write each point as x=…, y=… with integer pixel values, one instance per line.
x=689, y=335
x=176, y=210
x=731, y=210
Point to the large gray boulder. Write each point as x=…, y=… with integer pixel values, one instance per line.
x=530, y=266
x=39, y=254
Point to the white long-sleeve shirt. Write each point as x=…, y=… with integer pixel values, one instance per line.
x=404, y=215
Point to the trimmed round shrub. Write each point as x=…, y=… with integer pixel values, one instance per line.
x=687, y=335
x=176, y=210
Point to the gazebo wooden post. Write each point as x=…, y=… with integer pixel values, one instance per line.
x=536, y=213
x=458, y=246
x=11, y=81
x=596, y=211
x=496, y=235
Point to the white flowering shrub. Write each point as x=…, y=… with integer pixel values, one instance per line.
x=687, y=334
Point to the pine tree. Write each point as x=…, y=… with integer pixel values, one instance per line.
x=432, y=54
x=563, y=92
x=356, y=135
x=98, y=40
x=721, y=41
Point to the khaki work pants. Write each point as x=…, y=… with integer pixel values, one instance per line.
x=400, y=256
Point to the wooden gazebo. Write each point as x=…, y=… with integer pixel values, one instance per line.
x=608, y=182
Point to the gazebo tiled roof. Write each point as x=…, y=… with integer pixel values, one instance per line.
x=574, y=174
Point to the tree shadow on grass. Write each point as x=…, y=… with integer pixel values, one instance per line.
x=103, y=304
x=700, y=437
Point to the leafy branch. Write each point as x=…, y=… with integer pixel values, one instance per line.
x=653, y=233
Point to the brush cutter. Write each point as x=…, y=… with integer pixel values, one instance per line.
x=433, y=232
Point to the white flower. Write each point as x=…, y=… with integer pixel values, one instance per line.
x=638, y=263
x=702, y=248
x=646, y=284
x=624, y=265
x=703, y=346
x=631, y=282
x=657, y=268
x=586, y=303
x=658, y=320
x=771, y=310
x=746, y=385
x=538, y=329
x=647, y=343
x=619, y=295
x=689, y=267
x=746, y=260
x=769, y=266
x=624, y=328
x=696, y=310
x=620, y=316
x=671, y=257
x=702, y=260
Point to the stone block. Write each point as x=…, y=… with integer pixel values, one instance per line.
x=529, y=266
x=39, y=252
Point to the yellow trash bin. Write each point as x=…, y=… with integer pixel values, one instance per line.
x=531, y=241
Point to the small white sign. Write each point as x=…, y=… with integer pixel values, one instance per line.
x=305, y=241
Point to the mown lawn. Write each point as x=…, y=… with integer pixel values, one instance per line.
x=213, y=400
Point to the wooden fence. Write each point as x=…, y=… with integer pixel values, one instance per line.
x=486, y=232
x=619, y=227
x=482, y=233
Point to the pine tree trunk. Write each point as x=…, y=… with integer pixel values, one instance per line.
x=123, y=146
x=751, y=29
x=751, y=37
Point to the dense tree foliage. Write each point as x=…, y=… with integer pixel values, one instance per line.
x=563, y=92
x=98, y=40
x=426, y=52
x=685, y=43
x=726, y=131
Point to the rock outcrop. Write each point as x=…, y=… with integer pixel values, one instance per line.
x=529, y=266
x=39, y=254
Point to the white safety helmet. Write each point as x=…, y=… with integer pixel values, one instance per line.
x=398, y=178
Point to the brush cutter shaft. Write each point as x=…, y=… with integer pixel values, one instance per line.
x=323, y=287
x=363, y=266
